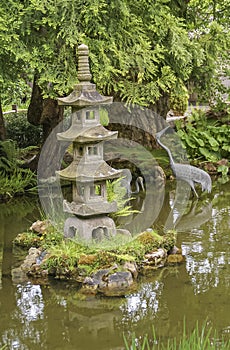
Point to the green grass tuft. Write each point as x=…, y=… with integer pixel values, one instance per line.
x=203, y=338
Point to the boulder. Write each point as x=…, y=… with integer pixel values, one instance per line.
x=156, y=257
x=108, y=283
x=132, y=267
x=117, y=284
x=40, y=226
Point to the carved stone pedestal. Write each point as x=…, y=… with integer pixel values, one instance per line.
x=88, y=229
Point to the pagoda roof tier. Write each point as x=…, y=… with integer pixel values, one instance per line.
x=83, y=134
x=89, y=172
x=89, y=209
x=84, y=94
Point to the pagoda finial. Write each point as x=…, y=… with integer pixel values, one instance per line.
x=83, y=64
x=84, y=92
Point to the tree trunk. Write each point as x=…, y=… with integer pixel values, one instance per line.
x=52, y=115
x=45, y=112
x=49, y=114
x=138, y=124
x=161, y=107
x=34, y=112
x=2, y=124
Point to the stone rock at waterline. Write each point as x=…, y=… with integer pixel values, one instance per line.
x=107, y=283
x=20, y=273
x=174, y=250
x=175, y=256
x=100, y=275
x=153, y=261
x=40, y=226
x=131, y=267
x=117, y=284
x=31, y=259
x=95, y=279
x=156, y=258
x=89, y=286
x=175, y=259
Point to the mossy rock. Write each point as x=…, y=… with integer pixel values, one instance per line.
x=175, y=259
x=149, y=238
x=87, y=259
x=72, y=260
x=169, y=240
x=27, y=240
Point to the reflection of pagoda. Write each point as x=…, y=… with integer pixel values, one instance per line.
x=88, y=172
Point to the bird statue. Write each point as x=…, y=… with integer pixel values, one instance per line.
x=126, y=182
x=187, y=172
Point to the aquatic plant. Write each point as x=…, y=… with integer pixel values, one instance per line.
x=200, y=338
x=3, y=347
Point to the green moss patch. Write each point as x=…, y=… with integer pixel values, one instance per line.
x=71, y=258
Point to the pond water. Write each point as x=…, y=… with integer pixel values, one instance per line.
x=53, y=316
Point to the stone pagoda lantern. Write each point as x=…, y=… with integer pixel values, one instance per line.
x=88, y=171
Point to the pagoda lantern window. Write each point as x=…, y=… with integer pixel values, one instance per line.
x=93, y=150
x=90, y=115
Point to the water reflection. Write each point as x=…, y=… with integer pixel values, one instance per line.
x=19, y=314
x=1, y=256
x=29, y=303
x=54, y=316
x=139, y=305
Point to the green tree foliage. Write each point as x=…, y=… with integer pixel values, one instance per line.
x=15, y=62
x=137, y=52
x=208, y=28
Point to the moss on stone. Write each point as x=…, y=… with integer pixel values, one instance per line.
x=70, y=259
x=27, y=240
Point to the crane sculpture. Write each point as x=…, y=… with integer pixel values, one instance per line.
x=187, y=172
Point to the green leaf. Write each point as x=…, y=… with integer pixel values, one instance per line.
x=199, y=141
x=226, y=148
x=223, y=169
x=210, y=156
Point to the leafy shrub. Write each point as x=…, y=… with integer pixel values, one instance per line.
x=8, y=156
x=13, y=179
x=204, y=138
x=11, y=157
x=20, y=130
x=19, y=182
x=178, y=100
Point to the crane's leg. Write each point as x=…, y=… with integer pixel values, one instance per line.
x=193, y=188
x=195, y=192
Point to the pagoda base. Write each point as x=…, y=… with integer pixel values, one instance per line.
x=88, y=229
